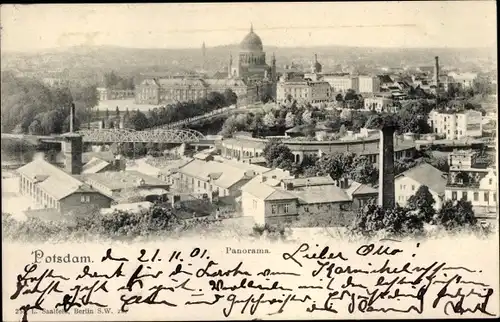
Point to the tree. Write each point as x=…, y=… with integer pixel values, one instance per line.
x=342, y=131
x=358, y=121
x=35, y=128
x=363, y=171
x=138, y=120
x=289, y=120
x=117, y=112
x=392, y=222
x=350, y=95
x=346, y=115
x=339, y=98
x=455, y=215
x=423, y=201
x=230, y=97
x=216, y=99
x=106, y=115
x=269, y=119
x=307, y=117
x=278, y=155
x=336, y=165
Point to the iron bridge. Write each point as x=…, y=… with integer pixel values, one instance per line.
x=132, y=136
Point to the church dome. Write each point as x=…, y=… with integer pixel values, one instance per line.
x=251, y=42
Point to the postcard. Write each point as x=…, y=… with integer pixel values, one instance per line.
x=237, y=161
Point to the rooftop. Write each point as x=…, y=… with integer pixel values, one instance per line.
x=222, y=174
x=123, y=179
x=53, y=180
x=429, y=176
x=94, y=165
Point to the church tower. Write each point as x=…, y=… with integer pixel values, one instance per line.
x=204, y=56
x=273, y=68
x=230, y=67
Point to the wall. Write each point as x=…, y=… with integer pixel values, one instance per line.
x=406, y=187
x=253, y=207
x=73, y=201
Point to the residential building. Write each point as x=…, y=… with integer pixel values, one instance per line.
x=303, y=91
x=97, y=165
x=280, y=199
x=53, y=188
x=170, y=172
x=214, y=178
x=379, y=104
x=457, y=125
x=424, y=174
x=115, y=94
x=368, y=84
x=341, y=82
x=466, y=80
x=470, y=180
x=117, y=185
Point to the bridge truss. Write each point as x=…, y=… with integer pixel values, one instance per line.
x=132, y=136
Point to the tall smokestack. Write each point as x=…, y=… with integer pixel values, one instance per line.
x=436, y=71
x=71, y=117
x=386, y=194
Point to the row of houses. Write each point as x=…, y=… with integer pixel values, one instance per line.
x=467, y=179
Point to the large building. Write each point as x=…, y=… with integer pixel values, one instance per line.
x=249, y=76
x=457, y=125
x=465, y=80
x=341, y=82
x=379, y=104
x=303, y=91
x=407, y=183
x=368, y=84
x=278, y=198
x=471, y=181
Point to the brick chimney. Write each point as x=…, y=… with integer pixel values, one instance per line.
x=72, y=147
x=436, y=71
x=386, y=198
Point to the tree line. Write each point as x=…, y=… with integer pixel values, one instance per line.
x=171, y=113
x=29, y=106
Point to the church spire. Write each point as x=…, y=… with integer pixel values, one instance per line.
x=251, y=27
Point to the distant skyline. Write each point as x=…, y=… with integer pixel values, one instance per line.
x=361, y=24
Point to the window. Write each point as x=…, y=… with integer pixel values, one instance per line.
x=412, y=187
x=204, y=185
x=273, y=209
x=454, y=195
x=285, y=208
x=476, y=196
x=490, y=181
x=306, y=209
x=192, y=181
x=486, y=196
x=85, y=199
x=464, y=195
x=199, y=183
x=494, y=196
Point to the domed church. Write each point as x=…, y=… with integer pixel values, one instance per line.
x=251, y=63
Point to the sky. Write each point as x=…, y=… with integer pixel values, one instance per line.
x=376, y=24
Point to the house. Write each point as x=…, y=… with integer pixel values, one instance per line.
x=117, y=185
x=214, y=178
x=279, y=198
x=470, y=180
x=407, y=183
x=169, y=173
x=53, y=188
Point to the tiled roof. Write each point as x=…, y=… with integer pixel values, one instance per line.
x=223, y=174
x=174, y=165
x=310, y=181
x=53, y=180
x=244, y=143
x=429, y=176
x=123, y=179
x=320, y=194
x=94, y=166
